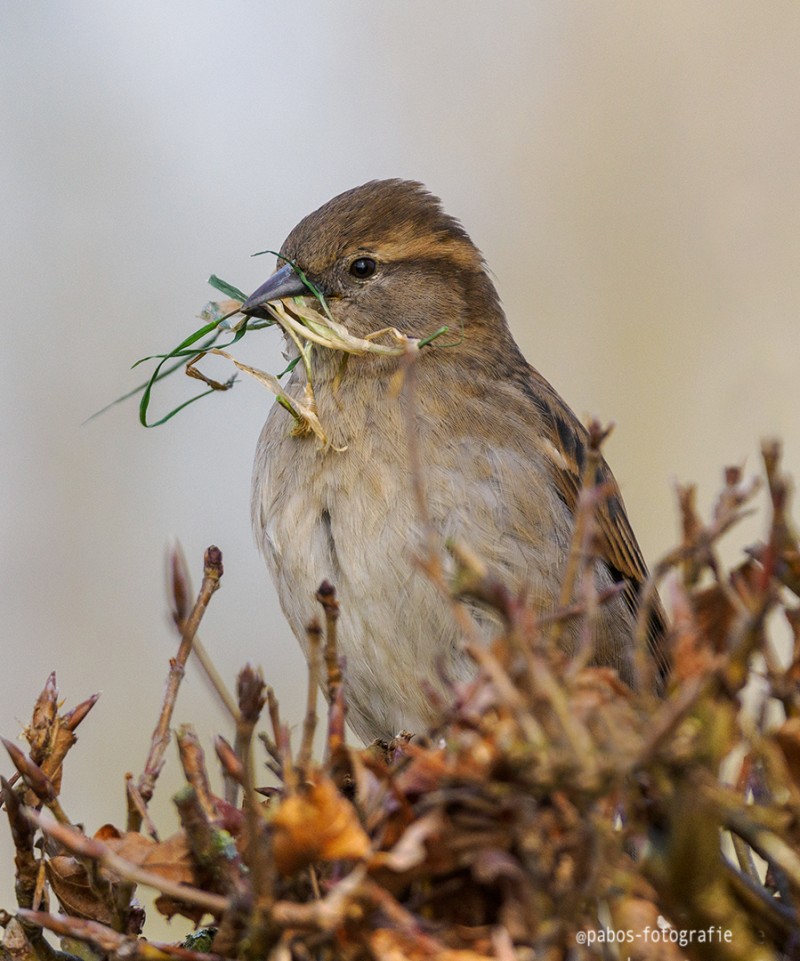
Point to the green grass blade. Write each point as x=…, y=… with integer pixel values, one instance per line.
x=191, y=400
x=179, y=351
x=191, y=347
x=431, y=337
x=289, y=367
x=164, y=373
x=228, y=289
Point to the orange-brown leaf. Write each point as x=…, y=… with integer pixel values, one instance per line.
x=317, y=824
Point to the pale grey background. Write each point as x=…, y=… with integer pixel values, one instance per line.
x=630, y=170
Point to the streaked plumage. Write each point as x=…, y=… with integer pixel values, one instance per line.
x=502, y=455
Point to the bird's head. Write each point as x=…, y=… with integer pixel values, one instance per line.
x=385, y=254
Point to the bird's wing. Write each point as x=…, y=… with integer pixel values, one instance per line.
x=565, y=444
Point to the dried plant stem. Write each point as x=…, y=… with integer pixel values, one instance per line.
x=273, y=708
x=279, y=746
x=696, y=550
x=253, y=695
x=137, y=808
x=549, y=799
x=676, y=710
x=766, y=843
x=111, y=942
x=212, y=572
x=745, y=858
x=24, y=939
x=575, y=734
x=508, y=692
x=181, y=590
x=314, y=639
x=274, y=761
x=22, y=833
x=232, y=768
x=214, y=678
x=326, y=595
x=194, y=768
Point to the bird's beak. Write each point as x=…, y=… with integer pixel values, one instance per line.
x=283, y=283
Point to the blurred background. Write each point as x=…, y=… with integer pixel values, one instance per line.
x=630, y=170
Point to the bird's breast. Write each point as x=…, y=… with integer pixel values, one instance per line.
x=350, y=517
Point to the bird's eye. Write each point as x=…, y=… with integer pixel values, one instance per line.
x=363, y=267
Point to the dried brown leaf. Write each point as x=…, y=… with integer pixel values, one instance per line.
x=71, y=885
x=169, y=859
x=317, y=824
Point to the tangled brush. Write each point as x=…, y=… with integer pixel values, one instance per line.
x=553, y=813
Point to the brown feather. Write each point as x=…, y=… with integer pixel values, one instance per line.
x=566, y=442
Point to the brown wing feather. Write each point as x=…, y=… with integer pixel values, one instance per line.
x=566, y=444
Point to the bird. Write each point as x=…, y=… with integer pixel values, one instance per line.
x=501, y=453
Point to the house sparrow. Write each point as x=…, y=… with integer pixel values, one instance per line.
x=501, y=454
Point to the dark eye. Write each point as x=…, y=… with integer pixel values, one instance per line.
x=363, y=267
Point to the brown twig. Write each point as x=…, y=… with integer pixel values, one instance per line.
x=137, y=809
x=22, y=834
x=45, y=712
x=274, y=761
x=232, y=767
x=24, y=940
x=314, y=641
x=193, y=763
x=101, y=936
x=180, y=592
x=36, y=780
x=698, y=542
x=326, y=595
x=253, y=695
x=212, y=572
